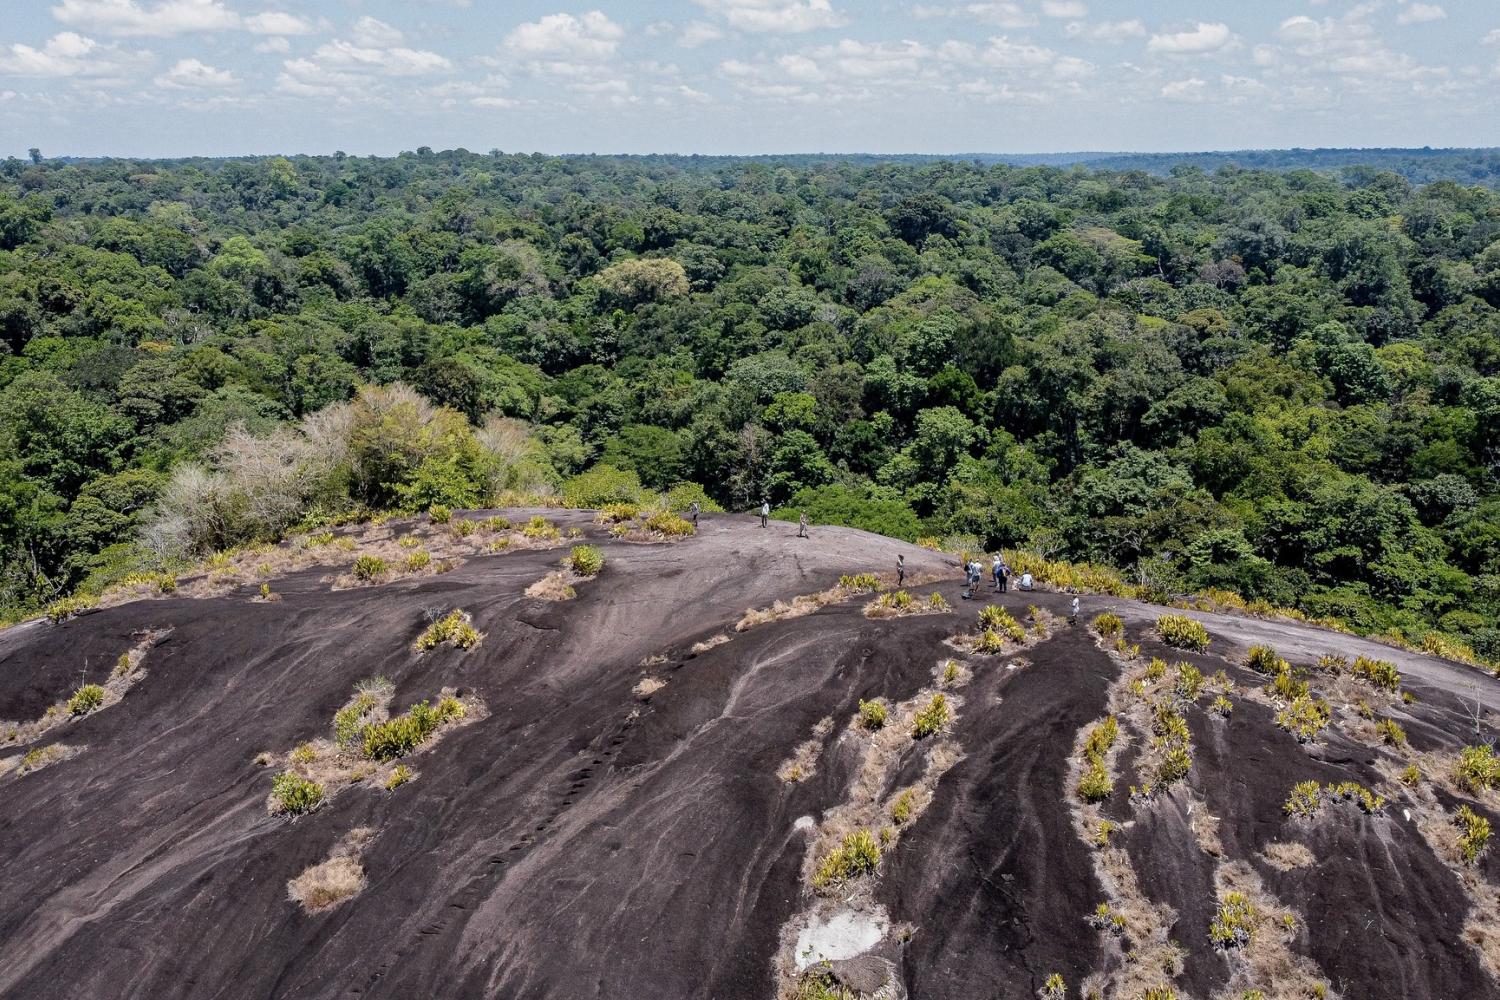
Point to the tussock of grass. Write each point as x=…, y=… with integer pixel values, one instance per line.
x=399, y=776
x=1477, y=769
x=292, y=794
x=1182, y=632
x=1305, y=717
x=647, y=686
x=872, y=714
x=1474, y=835
x=86, y=699
x=931, y=719
x=586, y=560
x=555, y=586
x=336, y=879
x=857, y=855
x=1108, y=625
x=454, y=628
x=1288, y=855
x=709, y=643
x=802, y=764
x=401, y=735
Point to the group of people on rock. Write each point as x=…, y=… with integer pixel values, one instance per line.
x=1000, y=574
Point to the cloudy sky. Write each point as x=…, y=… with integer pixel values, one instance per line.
x=173, y=77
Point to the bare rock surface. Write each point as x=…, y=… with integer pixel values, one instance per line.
x=585, y=840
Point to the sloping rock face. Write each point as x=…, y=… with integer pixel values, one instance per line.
x=586, y=834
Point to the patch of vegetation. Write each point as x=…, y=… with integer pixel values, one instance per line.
x=400, y=776
x=872, y=714
x=416, y=562
x=440, y=513
x=901, y=809
x=86, y=699
x=293, y=795
x=994, y=618
x=989, y=643
x=895, y=602
x=64, y=608
x=402, y=734
x=1391, y=732
x=1305, y=717
x=1353, y=791
x=1411, y=776
x=931, y=719
x=1109, y=625
x=1054, y=988
x=540, y=529
x=1234, y=925
x=1381, y=674
x=1094, y=785
x=368, y=568
x=453, y=628
x=1222, y=707
x=1473, y=836
x=1265, y=660
x=1171, y=739
x=1304, y=801
x=857, y=855
x=861, y=583
x=1189, y=683
x=937, y=602
x=669, y=524
x=1477, y=769
x=586, y=560
x=1287, y=687
x=1182, y=632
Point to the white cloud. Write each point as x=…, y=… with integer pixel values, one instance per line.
x=275, y=44
x=69, y=54
x=1205, y=37
x=193, y=74
x=1347, y=46
x=1064, y=8
x=1493, y=38
x=776, y=16
x=276, y=22
x=1107, y=31
x=340, y=55
x=375, y=34
x=698, y=33
x=161, y=20
x=1002, y=14
x=565, y=38
x=1421, y=13
x=1190, y=90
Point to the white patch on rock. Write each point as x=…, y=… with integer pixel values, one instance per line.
x=804, y=823
x=846, y=934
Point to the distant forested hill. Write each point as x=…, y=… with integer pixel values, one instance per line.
x=1282, y=381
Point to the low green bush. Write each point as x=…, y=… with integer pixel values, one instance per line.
x=860, y=583
x=872, y=714
x=857, y=855
x=1474, y=834
x=586, y=560
x=1304, y=801
x=1391, y=732
x=440, y=513
x=1305, y=717
x=86, y=699
x=1381, y=674
x=293, y=795
x=1234, y=925
x=997, y=619
x=368, y=568
x=454, y=628
x=1182, y=632
x=401, y=735
x=1109, y=625
x=932, y=718
x=1477, y=769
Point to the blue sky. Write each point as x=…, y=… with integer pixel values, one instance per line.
x=216, y=77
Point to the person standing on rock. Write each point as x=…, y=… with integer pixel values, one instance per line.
x=1004, y=576
x=995, y=569
x=765, y=512
x=900, y=570
x=802, y=524
x=693, y=513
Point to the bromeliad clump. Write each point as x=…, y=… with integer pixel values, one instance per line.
x=454, y=627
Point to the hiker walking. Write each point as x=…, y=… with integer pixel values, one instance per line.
x=1073, y=618
x=1004, y=576
x=802, y=524
x=995, y=570
x=765, y=512
x=693, y=513
x=900, y=570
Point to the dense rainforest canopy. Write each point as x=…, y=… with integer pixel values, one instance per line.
x=1281, y=383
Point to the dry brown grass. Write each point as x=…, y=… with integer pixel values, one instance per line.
x=340, y=877
x=806, y=604
x=123, y=674
x=37, y=759
x=802, y=764
x=647, y=686
x=1286, y=855
x=555, y=586
x=709, y=643
x=1267, y=962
